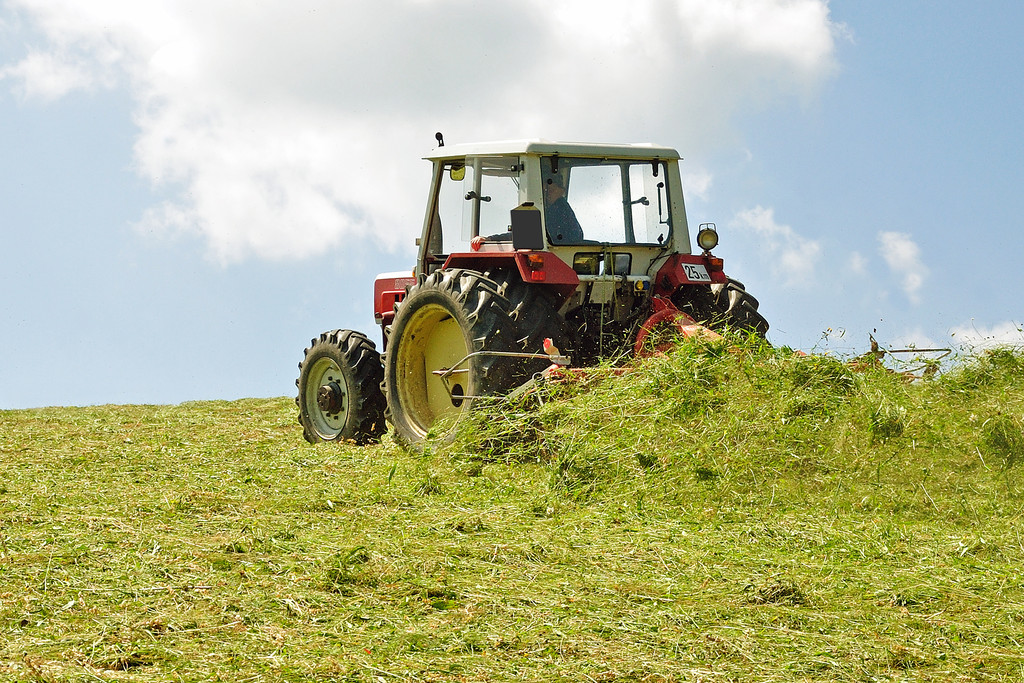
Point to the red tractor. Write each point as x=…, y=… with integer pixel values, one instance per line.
x=582, y=246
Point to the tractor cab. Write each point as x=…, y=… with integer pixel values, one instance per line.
x=597, y=207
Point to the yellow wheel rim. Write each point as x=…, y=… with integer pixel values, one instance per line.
x=432, y=341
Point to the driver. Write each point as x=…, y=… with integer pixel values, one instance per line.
x=562, y=226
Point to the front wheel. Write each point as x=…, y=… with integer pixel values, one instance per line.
x=340, y=398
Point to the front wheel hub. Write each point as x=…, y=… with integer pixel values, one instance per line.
x=330, y=398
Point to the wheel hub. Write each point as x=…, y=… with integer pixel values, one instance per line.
x=330, y=398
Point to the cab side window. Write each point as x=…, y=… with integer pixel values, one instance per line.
x=491, y=190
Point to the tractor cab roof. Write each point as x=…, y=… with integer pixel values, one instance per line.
x=549, y=147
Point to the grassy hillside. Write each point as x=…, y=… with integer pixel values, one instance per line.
x=716, y=514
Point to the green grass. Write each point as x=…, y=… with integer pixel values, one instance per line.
x=716, y=514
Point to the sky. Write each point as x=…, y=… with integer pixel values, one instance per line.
x=190, y=192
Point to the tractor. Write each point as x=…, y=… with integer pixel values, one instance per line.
x=532, y=253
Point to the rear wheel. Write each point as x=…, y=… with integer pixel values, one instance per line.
x=442, y=350
x=737, y=308
x=725, y=305
x=340, y=398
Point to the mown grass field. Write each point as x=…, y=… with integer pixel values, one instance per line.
x=713, y=515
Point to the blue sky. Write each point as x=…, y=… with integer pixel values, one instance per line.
x=188, y=195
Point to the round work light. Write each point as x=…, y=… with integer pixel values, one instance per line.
x=707, y=236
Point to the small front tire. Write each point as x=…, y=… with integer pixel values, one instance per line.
x=340, y=398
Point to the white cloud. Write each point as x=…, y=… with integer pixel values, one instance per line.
x=903, y=257
x=857, y=263
x=785, y=29
x=697, y=183
x=791, y=257
x=1007, y=333
x=285, y=128
x=46, y=77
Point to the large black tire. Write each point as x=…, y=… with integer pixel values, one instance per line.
x=441, y=321
x=718, y=306
x=534, y=312
x=340, y=397
x=737, y=309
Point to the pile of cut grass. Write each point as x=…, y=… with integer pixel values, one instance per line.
x=718, y=513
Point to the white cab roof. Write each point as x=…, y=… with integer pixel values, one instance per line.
x=548, y=147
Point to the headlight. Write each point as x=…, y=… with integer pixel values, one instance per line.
x=707, y=236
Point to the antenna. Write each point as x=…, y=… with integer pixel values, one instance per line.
x=439, y=138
